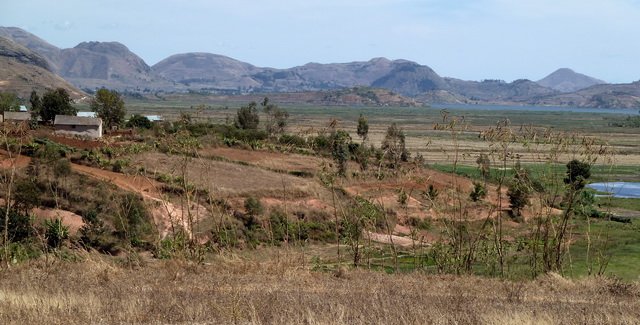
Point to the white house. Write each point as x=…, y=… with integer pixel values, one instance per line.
x=79, y=126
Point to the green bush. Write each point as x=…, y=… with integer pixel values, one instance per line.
x=19, y=225
x=478, y=193
x=139, y=121
x=292, y=140
x=55, y=232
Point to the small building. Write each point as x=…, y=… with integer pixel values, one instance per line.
x=87, y=114
x=17, y=117
x=78, y=126
x=154, y=118
x=23, y=108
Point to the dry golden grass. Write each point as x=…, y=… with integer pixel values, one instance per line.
x=228, y=179
x=274, y=290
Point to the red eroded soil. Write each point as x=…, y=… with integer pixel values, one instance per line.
x=138, y=184
x=69, y=219
x=14, y=161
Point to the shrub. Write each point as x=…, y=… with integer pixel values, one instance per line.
x=55, y=232
x=139, y=121
x=19, y=225
x=293, y=140
x=479, y=192
x=253, y=206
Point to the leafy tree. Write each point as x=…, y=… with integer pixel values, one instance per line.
x=27, y=195
x=361, y=155
x=56, y=102
x=484, y=163
x=35, y=101
x=577, y=174
x=36, y=107
x=109, y=106
x=139, y=121
x=363, y=128
x=247, y=117
x=9, y=102
x=394, y=145
x=18, y=225
x=276, y=117
x=340, y=150
x=519, y=191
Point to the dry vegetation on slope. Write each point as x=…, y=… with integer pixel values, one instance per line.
x=234, y=290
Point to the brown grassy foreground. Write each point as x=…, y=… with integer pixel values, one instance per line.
x=235, y=290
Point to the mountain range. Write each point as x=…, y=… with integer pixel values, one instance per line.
x=91, y=65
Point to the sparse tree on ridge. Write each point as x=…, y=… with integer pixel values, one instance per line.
x=109, y=106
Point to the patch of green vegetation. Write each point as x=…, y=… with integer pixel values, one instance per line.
x=612, y=202
x=614, y=243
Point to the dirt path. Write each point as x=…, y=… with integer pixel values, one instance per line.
x=386, y=239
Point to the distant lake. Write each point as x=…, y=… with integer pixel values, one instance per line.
x=623, y=111
x=628, y=190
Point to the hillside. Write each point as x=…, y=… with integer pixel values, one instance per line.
x=22, y=71
x=49, y=52
x=566, y=80
x=601, y=96
x=206, y=70
x=91, y=65
x=495, y=91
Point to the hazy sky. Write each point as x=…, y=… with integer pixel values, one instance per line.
x=467, y=39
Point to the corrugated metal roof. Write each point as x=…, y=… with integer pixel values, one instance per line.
x=87, y=114
x=17, y=116
x=154, y=118
x=76, y=120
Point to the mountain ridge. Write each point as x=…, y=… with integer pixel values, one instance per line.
x=566, y=80
x=91, y=65
x=22, y=71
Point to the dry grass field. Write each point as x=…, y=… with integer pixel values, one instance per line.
x=273, y=289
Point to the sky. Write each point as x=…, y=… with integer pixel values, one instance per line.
x=466, y=39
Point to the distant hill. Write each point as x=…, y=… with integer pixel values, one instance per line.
x=211, y=71
x=206, y=70
x=92, y=65
x=22, y=71
x=49, y=52
x=566, y=80
x=600, y=96
x=364, y=96
x=495, y=91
